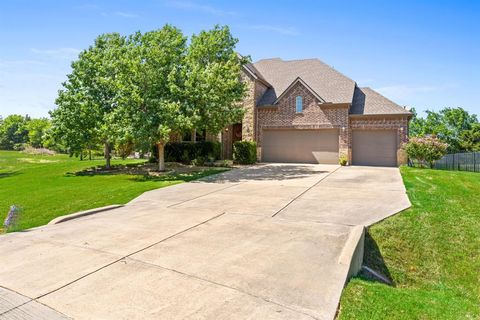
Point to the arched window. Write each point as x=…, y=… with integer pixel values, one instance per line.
x=299, y=104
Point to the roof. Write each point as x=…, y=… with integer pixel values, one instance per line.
x=255, y=73
x=331, y=85
x=367, y=101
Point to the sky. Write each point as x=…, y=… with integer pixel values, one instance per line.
x=421, y=54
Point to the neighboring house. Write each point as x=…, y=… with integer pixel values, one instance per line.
x=305, y=111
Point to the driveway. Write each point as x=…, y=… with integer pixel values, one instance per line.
x=263, y=242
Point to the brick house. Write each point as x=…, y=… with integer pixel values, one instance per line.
x=305, y=111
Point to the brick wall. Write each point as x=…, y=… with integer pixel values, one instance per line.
x=314, y=116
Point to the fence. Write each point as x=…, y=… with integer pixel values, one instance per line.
x=460, y=161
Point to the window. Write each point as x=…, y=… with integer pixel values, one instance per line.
x=299, y=104
x=200, y=135
x=187, y=136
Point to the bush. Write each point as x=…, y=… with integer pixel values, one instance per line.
x=186, y=152
x=343, y=160
x=245, y=152
x=426, y=149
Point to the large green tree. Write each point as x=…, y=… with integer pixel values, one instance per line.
x=37, y=131
x=91, y=95
x=449, y=125
x=212, y=87
x=13, y=132
x=152, y=110
x=470, y=139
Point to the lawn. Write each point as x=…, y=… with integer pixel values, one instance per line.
x=430, y=251
x=45, y=187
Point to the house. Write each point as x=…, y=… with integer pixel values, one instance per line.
x=305, y=111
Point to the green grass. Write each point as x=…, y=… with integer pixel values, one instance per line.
x=430, y=251
x=45, y=187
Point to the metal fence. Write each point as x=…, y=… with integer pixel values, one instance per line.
x=460, y=161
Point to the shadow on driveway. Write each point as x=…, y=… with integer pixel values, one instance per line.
x=277, y=172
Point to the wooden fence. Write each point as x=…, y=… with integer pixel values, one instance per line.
x=460, y=161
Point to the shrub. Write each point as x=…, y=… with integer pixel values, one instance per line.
x=426, y=149
x=186, y=152
x=343, y=160
x=245, y=152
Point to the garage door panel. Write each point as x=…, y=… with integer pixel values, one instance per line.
x=374, y=147
x=302, y=146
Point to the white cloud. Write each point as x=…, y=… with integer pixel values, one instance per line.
x=289, y=31
x=125, y=14
x=60, y=53
x=202, y=8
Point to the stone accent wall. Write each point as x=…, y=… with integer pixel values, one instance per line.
x=248, y=121
x=314, y=116
x=398, y=123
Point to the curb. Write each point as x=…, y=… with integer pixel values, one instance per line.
x=352, y=252
x=83, y=213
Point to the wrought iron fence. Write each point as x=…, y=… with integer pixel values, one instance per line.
x=460, y=161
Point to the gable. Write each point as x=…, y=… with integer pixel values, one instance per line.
x=299, y=82
x=327, y=83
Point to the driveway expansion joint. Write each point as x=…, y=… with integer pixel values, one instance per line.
x=223, y=285
x=127, y=256
x=203, y=195
x=305, y=191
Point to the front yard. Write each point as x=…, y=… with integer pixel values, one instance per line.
x=45, y=187
x=431, y=252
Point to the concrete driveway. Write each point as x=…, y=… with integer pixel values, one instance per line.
x=263, y=242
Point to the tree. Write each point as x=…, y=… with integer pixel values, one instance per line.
x=470, y=139
x=153, y=110
x=417, y=125
x=13, y=132
x=448, y=125
x=213, y=89
x=37, y=129
x=93, y=91
x=426, y=149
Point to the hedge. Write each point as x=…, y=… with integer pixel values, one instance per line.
x=245, y=152
x=186, y=152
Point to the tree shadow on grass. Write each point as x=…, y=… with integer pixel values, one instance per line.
x=8, y=174
x=143, y=172
x=373, y=259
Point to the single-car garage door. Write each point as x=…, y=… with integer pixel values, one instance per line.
x=374, y=148
x=302, y=146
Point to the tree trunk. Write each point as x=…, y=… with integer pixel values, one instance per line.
x=89, y=154
x=107, y=155
x=81, y=155
x=161, y=156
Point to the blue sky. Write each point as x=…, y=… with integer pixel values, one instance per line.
x=423, y=54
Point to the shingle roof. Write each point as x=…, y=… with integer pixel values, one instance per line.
x=328, y=83
x=255, y=73
x=369, y=102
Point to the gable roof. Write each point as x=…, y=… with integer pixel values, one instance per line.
x=367, y=101
x=320, y=78
x=299, y=80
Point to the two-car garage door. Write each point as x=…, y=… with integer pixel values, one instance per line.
x=302, y=146
x=369, y=147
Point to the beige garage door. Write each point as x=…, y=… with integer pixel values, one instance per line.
x=374, y=148
x=302, y=146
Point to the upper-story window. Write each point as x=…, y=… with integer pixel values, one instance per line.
x=299, y=104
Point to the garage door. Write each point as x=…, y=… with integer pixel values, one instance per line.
x=374, y=148
x=301, y=146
